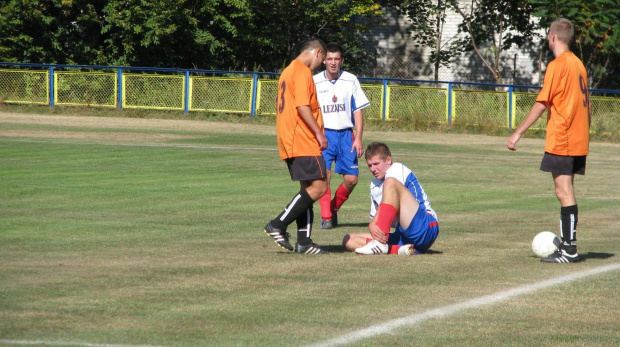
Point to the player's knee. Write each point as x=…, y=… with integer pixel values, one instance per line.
x=562, y=194
x=321, y=190
x=350, y=182
x=346, y=242
x=390, y=183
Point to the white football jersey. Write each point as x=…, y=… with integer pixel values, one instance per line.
x=404, y=175
x=339, y=99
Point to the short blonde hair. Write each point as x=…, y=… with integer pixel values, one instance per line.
x=563, y=29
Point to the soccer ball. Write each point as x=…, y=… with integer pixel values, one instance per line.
x=545, y=243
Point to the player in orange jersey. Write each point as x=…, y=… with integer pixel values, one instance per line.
x=565, y=96
x=300, y=134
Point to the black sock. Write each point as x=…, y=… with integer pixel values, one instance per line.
x=304, y=227
x=568, y=226
x=298, y=206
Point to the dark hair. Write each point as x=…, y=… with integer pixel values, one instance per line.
x=377, y=148
x=334, y=47
x=311, y=44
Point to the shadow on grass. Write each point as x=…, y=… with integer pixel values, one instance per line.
x=431, y=252
x=335, y=248
x=341, y=249
x=352, y=224
x=595, y=255
x=591, y=255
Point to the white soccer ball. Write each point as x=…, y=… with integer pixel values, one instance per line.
x=545, y=243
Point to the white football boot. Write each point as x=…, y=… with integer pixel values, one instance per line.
x=406, y=250
x=373, y=247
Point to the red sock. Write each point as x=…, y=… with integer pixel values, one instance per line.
x=393, y=249
x=324, y=202
x=387, y=213
x=342, y=195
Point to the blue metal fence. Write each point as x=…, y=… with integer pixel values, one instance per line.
x=239, y=92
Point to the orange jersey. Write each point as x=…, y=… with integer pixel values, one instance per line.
x=296, y=88
x=565, y=93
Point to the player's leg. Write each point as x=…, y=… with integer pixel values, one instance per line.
x=397, y=202
x=348, y=183
x=420, y=234
x=348, y=166
x=330, y=155
x=569, y=216
x=355, y=240
x=397, y=197
x=325, y=204
x=310, y=172
x=342, y=195
x=395, y=194
x=304, y=234
x=563, y=170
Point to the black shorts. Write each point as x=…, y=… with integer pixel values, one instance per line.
x=306, y=168
x=563, y=165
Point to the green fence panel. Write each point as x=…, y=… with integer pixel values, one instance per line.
x=374, y=93
x=219, y=94
x=24, y=87
x=522, y=103
x=473, y=108
x=605, y=115
x=85, y=89
x=266, y=94
x=424, y=105
x=148, y=91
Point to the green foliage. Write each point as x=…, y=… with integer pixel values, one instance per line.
x=51, y=31
x=492, y=27
x=597, y=34
x=209, y=34
x=427, y=21
x=279, y=27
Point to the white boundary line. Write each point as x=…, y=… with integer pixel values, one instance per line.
x=450, y=310
x=394, y=324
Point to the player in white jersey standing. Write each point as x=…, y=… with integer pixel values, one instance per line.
x=341, y=99
x=397, y=200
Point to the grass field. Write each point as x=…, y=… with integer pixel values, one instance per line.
x=135, y=232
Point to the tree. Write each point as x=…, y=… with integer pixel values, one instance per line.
x=206, y=34
x=172, y=33
x=597, y=34
x=50, y=31
x=25, y=34
x=427, y=22
x=493, y=26
x=280, y=26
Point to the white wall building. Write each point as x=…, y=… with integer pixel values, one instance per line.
x=397, y=56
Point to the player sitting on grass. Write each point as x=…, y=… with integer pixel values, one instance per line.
x=398, y=199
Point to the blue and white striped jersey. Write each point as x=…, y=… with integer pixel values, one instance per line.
x=405, y=176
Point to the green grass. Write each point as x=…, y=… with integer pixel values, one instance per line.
x=161, y=243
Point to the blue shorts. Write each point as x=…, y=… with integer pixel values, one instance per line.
x=339, y=143
x=422, y=232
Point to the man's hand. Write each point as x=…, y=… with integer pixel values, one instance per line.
x=535, y=112
x=357, y=145
x=512, y=141
x=376, y=233
x=305, y=112
x=320, y=137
